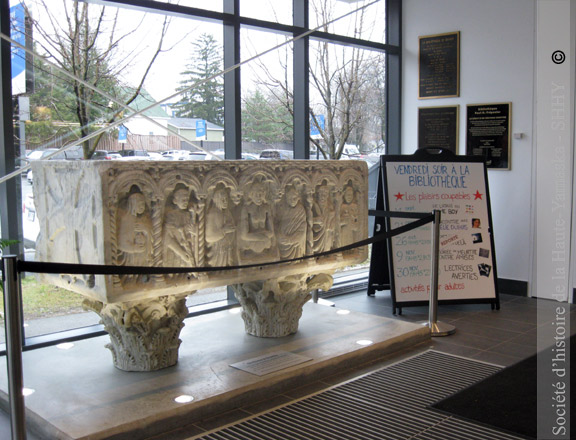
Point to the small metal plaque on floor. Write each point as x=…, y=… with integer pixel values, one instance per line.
x=271, y=362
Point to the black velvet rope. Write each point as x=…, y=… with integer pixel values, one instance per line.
x=97, y=269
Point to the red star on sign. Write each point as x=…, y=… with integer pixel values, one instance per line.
x=398, y=196
x=478, y=195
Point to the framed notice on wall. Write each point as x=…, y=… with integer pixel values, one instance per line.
x=457, y=186
x=438, y=128
x=488, y=133
x=439, y=66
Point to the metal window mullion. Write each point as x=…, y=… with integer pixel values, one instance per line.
x=10, y=191
x=232, y=93
x=301, y=85
x=232, y=84
x=394, y=78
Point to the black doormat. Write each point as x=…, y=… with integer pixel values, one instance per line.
x=506, y=400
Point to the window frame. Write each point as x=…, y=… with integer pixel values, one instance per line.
x=232, y=22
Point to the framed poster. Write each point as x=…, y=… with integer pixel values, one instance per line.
x=488, y=133
x=458, y=187
x=438, y=128
x=439, y=66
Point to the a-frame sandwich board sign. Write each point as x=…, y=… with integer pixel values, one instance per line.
x=458, y=187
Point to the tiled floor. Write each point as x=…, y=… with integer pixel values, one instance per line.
x=500, y=337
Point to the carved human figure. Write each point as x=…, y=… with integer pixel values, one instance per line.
x=256, y=241
x=292, y=225
x=179, y=234
x=134, y=234
x=348, y=216
x=323, y=219
x=220, y=230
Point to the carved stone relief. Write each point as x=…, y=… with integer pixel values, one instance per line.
x=143, y=335
x=205, y=214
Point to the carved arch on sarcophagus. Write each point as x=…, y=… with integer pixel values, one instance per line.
x=354, y=178
x=221, y=177
x=353, y=207
x=126, y=186
x=256, y=239
x=216, y=179
x=300, y=180
x=325, y=218
x=266, y=176
x=171, y=182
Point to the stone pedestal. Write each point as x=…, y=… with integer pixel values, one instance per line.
x=217, y=214
x=272, y=308
x=144, y=336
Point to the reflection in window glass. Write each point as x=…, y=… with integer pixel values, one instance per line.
x=128, y=62
x=267, y=96
x=347, y=101
x=277, y=11
x=366, y=24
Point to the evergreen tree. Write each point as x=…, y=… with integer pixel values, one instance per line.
x=265, y=119
x=205, y=100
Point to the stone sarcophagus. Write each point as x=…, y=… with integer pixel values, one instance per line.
x=191, y=215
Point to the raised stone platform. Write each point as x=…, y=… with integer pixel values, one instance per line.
x=80, y=395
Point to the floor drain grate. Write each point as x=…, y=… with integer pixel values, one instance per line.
x=391, y=403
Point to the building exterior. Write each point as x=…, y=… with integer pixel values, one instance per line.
x=152, y=121
x=186, y=127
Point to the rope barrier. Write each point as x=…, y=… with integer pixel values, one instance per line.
x=96, y=269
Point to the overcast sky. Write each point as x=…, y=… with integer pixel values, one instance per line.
x=165, y=76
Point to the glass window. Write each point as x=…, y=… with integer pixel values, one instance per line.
x=276, y=11
x=367, y=23
x=267, y=96
x=147, y=78
x=212, y=5
x=347, y=101
x=137, y=60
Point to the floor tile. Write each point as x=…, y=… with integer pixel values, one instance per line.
x=464, y=325
x=443, y=345
x=499, y=320
x=515, y=350
x=496, y=358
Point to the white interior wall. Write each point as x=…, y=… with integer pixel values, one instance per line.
x=497, y=40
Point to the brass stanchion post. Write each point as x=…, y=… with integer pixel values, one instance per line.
x=437, y=328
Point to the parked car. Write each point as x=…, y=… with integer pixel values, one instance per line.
x=30, y=224
x=134, y=155
x=276, y=154
x=199, y=155
x=245, y=156
x=351, y=152
x=21, y=162
x=105, y=155
x=154, y=155
x=73, y=153
x=176, y=155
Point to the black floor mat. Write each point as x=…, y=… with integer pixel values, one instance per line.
x=506, y=400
